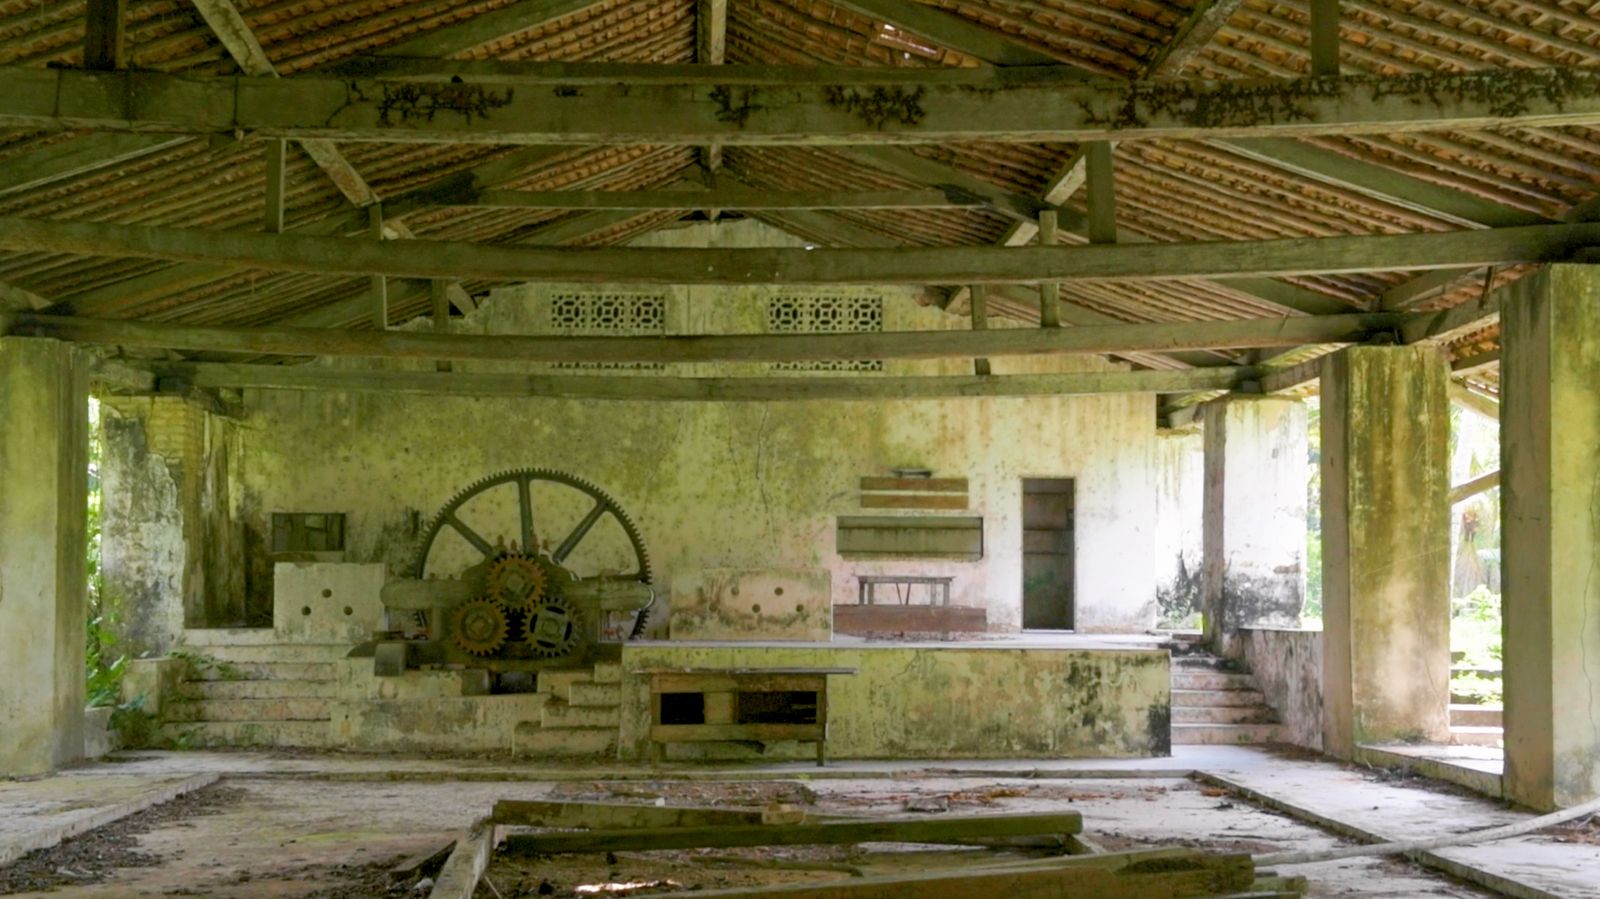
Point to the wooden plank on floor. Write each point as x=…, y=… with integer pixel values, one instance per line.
x=615, y=815
x=908, y=830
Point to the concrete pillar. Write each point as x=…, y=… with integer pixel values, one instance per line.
x=44, y=458
x=1550, y=535
x=1254, y=519
x=1385, y=547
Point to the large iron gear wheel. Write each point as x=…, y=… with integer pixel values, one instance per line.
x=554, y=628
x=523, y=478
x=515, y=581
x=479, y=627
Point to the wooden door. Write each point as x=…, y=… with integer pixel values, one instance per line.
x=1047, y=562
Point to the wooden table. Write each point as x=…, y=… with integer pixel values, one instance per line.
x=730, y=704
x=938, y=587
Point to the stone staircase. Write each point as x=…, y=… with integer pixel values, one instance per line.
x=1476, y=725
x=253, y=694
x=582, y=717
x=1214, y=703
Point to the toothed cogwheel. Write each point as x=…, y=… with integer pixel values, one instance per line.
x=554, y=628
x=479, y=626
x=515, y=581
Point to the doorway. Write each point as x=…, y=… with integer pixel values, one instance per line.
x=1047, y=554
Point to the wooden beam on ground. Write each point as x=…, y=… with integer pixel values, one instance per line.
x=1099, y=176
x=458, y=879
x=660, y=389
x=767, y=105
x=722, y=197
x=1477, y=485
x=907, y=830
x=1325, y=38
x=276, y=185
x=615, y=815
x=1132, y=875
x=939, y=344
x=951, y=31
x=906, y=265
x=104, y=35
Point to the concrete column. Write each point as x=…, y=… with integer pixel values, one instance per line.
x=44, y=458
x=1385, y=547
x=1254, y=520
x=1550, y=535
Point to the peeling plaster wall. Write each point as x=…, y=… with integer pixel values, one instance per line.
x=943, y=702
x=1180, y=466
x=730, y=485
x=169, y=549
x=1287, y=665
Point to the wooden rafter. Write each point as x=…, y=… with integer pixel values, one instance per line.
x=907, y=265
x=807, y=105
x=726, y=197
x=937, y=344
x=631, y=387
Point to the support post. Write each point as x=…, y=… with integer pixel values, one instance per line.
x=439, y=293
x=44, y=463
x=1049, y=291
x=1325, y=37
x=1253, y=518
x=1385, y=547
x=979, y=302
x=380, y=284
x=1099, y=177
x=1550, y=509
x=104, y=42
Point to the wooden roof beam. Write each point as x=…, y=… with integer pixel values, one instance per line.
x=905, y=265
x=748, y=389
x=951, y=31
x=811, y=105
x=935, y=344
x=725, y=197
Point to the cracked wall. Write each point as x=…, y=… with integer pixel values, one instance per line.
x=730, y=485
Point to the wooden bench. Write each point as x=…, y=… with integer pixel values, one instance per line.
x=697, y=705
x=867, y=587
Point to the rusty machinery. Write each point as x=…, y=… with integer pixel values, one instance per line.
x=520, y=607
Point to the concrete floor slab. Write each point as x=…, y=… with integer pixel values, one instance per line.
x=39, y=813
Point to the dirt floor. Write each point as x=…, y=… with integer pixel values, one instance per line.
x=340, y=839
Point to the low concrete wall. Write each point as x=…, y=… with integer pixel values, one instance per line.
x=923, y=702
x=1287, y=665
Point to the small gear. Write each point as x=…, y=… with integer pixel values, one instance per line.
x=553, y=629
x=515, y=580
x=479, y=626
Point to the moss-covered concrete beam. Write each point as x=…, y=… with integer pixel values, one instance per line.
x=509, y=103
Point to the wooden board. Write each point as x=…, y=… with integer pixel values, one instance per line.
x=903, y=830
x=914, y=501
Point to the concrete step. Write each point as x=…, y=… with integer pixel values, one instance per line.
x=1476, y=716
x=558, y=681
x=530, y=740
x=1202, y=662
x=1223, y=714
x=1224, y=734
x=258, y=689
x=265, y=734
x=247, y=710
x=581, y=693
x=1200, y=679
x=1476, y=736
x=608, y=672
x=557, y=714
x=272, y=652
x=1208, y=698
x=243, y=671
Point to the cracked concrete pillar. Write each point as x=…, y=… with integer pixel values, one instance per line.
x=1550, y=535
x=1385, y=547
x=44, y=458
x=1254, y=520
